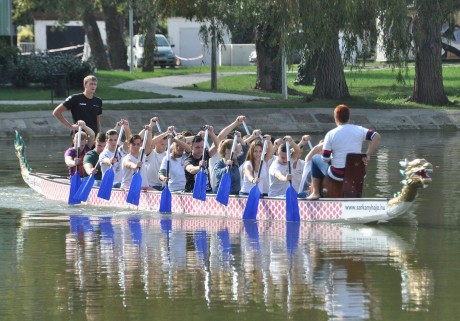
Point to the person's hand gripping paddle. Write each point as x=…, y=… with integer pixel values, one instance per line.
x=292, y=204
x=252, y=204
x=199, y=190
x=223, y=192
x=75, y=180
x=165, y=201
x=134, y=192
x=105, y=190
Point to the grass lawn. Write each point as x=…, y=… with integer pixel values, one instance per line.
x=375, y=87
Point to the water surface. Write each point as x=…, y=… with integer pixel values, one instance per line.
x=81, y=263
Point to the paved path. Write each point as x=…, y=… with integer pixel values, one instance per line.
x=165, y=86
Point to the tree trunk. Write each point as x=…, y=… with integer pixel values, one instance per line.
x=428, y=82
x=307, y=68
x=95, y=40
x=114, y=28
x=268, y=62
x=330, y=77
x=148, y=58
x=214, y=59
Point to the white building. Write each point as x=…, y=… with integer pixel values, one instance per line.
x=184, y=35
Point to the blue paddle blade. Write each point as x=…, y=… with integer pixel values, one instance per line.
x=292, y=205
x=75, y=183
x=134, y=193
x=292, y=236
x=224, y=189
x=105, y=189
x=252, y=230
x=85, y=188
x=136, y=231
x=199, y=190
x=201, y=244
x=225, y=241
x=106, y=228
x=165, y=201
x=166, y=225
x=252, y=204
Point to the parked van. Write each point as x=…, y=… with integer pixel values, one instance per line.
x=164, y=55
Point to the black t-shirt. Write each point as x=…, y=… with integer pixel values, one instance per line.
x=83, y=108
x=190, y=178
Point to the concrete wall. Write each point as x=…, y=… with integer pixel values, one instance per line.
x=235, y=54
x=270, y=120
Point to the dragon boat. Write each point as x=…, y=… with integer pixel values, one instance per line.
x=350, y=210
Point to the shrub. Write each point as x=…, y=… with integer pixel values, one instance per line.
x=7, y=52
x=26, y=69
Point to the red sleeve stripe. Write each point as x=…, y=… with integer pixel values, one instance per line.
x=326, y=154
x=370, y=134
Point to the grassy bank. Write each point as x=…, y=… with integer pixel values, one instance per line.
x=369, y=88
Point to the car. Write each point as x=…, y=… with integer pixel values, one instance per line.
x=253, y=57
x=164, y=55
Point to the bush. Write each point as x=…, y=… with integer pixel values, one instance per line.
x=26, y=69
x=7, y=52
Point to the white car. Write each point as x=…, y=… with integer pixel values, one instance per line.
x=164, y=55
x=253, y=57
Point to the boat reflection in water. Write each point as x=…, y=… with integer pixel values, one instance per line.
x=292, y=266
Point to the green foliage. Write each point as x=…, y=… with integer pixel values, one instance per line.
x=7, y=52
x=23, y=70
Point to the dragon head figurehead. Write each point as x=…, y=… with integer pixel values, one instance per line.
x=415, y=176
x=416, y=173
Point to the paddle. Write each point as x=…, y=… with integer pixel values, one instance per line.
x=226, y=181
x=252, y=204
x=248, y=133
x=305, y=171
x=85, y=188
x=134, y=192
x=292, y=205
x=165, y=201
x=75, y=180
x=199, y=190
x=105, y=189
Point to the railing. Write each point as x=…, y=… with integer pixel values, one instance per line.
x=27, y=47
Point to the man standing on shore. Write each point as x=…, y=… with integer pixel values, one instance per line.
x=84, y=106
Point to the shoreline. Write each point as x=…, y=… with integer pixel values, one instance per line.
x=270, y=120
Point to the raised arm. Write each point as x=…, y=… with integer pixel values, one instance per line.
x=255, y=134
x=88, y=131
x=215, y=141
x=270, y=148
x=297, y=151
x=227, y=130
x=304, y=141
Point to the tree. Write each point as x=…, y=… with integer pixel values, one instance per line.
x=67, y=10
x=93, y=34
x=114, y=13
x=146, y=11
x=270, y=21
x=322, y=25
x=212, y=14
x=428, y=17
x=428, y=82
x=268, y=60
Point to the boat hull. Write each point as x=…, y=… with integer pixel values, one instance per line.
x=360, y=210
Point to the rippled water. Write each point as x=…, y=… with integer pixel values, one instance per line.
x=62, y=263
